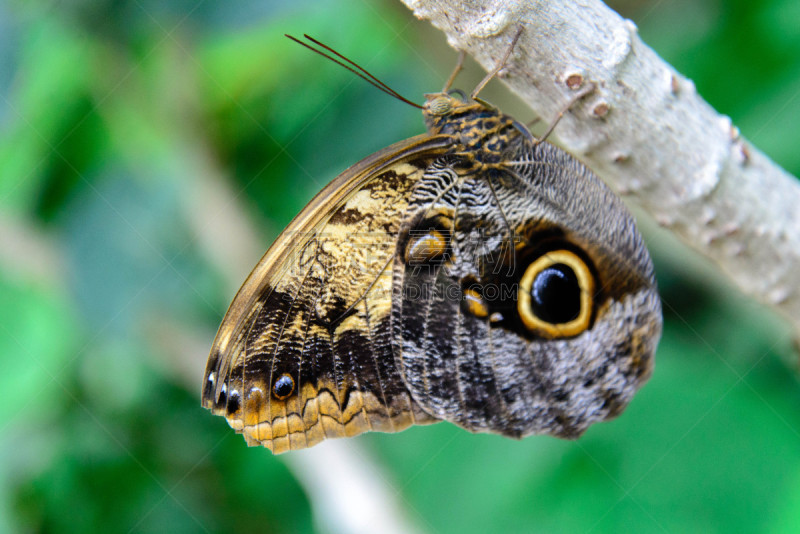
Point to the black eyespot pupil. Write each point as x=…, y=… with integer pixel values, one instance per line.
x=556, y=294
x=233, y=402
x=208, y=391
x=283, y=386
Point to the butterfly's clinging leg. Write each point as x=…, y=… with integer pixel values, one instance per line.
x=459, y=66
x=585, y=91
x=499, y=66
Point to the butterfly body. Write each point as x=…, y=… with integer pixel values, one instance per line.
x=472, y=275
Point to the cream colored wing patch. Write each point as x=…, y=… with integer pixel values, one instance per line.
x=305, y=351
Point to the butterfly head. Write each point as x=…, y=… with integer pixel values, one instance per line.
x=441, y=110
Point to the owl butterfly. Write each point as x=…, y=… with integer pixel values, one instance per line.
x=473, y=274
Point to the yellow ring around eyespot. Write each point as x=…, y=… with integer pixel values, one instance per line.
x=275, y=393
x=585, y=282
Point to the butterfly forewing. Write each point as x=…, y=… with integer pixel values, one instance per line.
x=305, y=351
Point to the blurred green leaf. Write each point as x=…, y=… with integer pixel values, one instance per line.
x=47, y=93
x=38, y=338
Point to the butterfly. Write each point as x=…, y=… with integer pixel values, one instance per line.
x=472, y=274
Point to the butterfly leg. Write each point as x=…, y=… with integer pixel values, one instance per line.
x=459, y=66
x=585, y=91
x=499, y=66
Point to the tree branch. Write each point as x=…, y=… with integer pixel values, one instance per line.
x=645, y=131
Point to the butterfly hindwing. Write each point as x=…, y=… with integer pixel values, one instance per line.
x=467, y=356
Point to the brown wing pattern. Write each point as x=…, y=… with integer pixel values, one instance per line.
x=305, y=350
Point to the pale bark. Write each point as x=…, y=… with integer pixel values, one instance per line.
x=645, y=131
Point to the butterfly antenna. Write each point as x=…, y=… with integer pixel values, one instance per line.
x=353, y=67
x=353, y=63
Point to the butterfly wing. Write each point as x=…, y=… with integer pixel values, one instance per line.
x=305, y=352
x=474, y=350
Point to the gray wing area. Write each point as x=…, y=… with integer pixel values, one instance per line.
x=476, y=365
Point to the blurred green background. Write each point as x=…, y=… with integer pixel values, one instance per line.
x=140, y=142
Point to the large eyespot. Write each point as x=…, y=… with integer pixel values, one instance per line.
x=555, y=295
x=283, y=387
x=234, y=402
